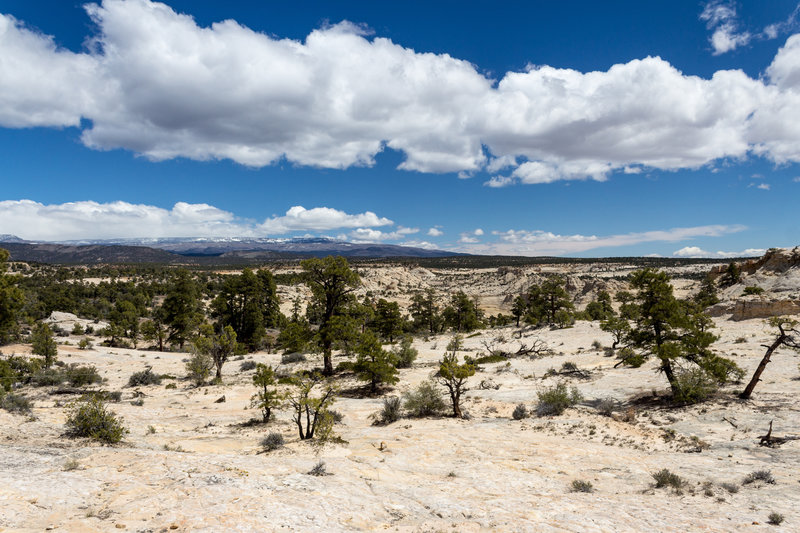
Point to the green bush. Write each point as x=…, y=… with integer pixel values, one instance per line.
x=48, y=377
x=405, y=353
x=90, y=418
x=557, y=399
x=693, y=386
x=198, y=368
x=80, y=376
x=143, y=378
x=16, y=403
x=295, y=357
x=273, y=441
x=390, y=411
x=775, y=519
x=665, y=478
x=520, y=412
x=247, y=365
x=753, y=291
x=579, y=485
x=765, y=476
x=425, y=400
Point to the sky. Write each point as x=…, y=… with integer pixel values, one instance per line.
x=574, y=128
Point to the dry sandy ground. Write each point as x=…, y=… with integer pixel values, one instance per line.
x=488, y=473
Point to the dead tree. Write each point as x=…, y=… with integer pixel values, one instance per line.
x=786, y=337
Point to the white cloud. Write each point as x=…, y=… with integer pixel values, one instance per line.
x=694, y=251
x=797, y=179
x=721, y=16
x=92, y=220
x=478, y=232
x=156, y=83
x=537, y=242
x=420, y=244
x=467, y=239
x=764, y=186
x=363, y=235
x=435, y=232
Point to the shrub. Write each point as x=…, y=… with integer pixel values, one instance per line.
x=425, y=400
x=390, y=411
x=198, y=367
x=405, y=353
x=764, y=476
x=319, y=469
x=48, y=377
x=607, y=406
x=247, y=365
x=80, y=376
x=733, y=488
x=90, y=418
x=665, y=478
x=77, y=329
x=693, y=386
x=273, y=441
x=520, y=412
x=579, y=485
x=488, y=359
x=16, y=403
x=557, y=399
x=597, y=345
x=296, y=357
x=171, y=386
x=144, y=377
x=85, y=344
x=753, y=291
x=775, y=519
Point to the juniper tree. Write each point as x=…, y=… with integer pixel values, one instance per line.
x=454, y=376
x=332, y=283
x=374, y=364
x=788, y=335
x=43, y=343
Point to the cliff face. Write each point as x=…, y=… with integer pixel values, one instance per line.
x=777, y=275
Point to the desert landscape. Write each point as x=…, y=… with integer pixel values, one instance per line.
x=195, y=458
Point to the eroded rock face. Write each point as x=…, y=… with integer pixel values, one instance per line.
x=762, y=308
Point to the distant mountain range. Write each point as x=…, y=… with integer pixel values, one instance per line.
x=200, y=250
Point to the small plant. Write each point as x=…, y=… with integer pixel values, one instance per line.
x=85, y=344
x=198, y=367
x=765, y=476
x=319, y=469
x=71, y=464
x=732, y=488
x=151, y=430
x=520, y=412
x=579, y=485
x=748, y=291
x=170, y=386
x=775, y=519
x=295, y=357
x=143, y=378
x=425, y=400
x=390, y=411
x=90, y=418
x=405, y=353
x=138, y=402
x=272, y=441
x=694, y=386
x=665, y=478
x=557, y=399
x=740, y=340
x=16, y=403
x=80, y=376
x=597, y=345
x=247, y=365
x=607, y=406
x=48, y=377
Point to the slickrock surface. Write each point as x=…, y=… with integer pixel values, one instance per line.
x=202, y=470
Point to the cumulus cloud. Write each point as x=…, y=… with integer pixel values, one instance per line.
x=763, y=186
x=298, y=218
x=436, y=232
x=694, y=251
x=363, y=235
x=92, y=220
x=538, y=242
x=154, y=82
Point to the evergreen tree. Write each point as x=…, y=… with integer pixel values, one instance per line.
x=268, y=397
x=219, y=346
x=424, y=312
x=388, y=321
x=332, y=283
x=454, y=377
x=461, y=315
x=374, y=364
x=11, y=301
x=43, y=343
x=181, y=308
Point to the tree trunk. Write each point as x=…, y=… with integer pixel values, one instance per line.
x=328, y=364
x=761, y=366
x=666, y=365
x=218, y=377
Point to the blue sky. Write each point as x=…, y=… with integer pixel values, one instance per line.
x=524, y=128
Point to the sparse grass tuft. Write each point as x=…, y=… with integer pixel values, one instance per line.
x=775, y=519
x=579, y=485
x=665, y=478
x=273, y=441
x=765, y=476
x=520, y=412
